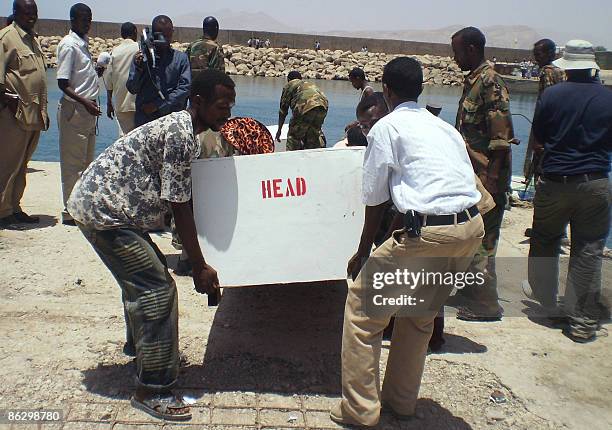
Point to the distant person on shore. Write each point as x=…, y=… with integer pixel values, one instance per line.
x=267, y=43
x=23, y=108
x=573, y=129
x=485, y=122
x=250, y=42
x=420, y=163
x=115, y=78
x=317, y=45
x=544, y=52
x=206, y=53
x=125, y=192
x=78, y=108
x=308, y=108
x=164, y=89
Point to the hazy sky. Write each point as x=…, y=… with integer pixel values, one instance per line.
x=584, y=18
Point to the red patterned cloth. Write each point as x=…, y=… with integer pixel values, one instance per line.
x=248, y=136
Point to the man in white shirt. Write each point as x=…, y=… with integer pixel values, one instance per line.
x=421, y=164
x=116, y=77
x=78, y=109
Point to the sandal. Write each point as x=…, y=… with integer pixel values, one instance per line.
x=167, y=407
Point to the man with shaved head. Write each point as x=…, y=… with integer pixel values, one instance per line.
x=23, y=107
x=162, y=89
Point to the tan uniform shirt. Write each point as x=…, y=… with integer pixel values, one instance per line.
x=117, y=73
x=22, y=72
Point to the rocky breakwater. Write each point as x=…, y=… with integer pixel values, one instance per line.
x=277, y=62
x=327, y=64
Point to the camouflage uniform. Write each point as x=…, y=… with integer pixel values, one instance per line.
x=309, y=108
x=485, y=122
x=205, y=54
x=549, y=76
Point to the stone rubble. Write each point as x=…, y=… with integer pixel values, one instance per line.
x=277, y=62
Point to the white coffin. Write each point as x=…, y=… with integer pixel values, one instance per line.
x=279, y=218
x=282, y=145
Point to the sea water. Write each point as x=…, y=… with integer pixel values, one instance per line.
x=259, y=97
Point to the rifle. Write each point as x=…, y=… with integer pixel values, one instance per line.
x=534, y=170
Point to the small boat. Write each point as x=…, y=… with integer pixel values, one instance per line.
x=517, y=84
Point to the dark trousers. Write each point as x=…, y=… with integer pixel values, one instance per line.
x=150, y=301
x=586, y=207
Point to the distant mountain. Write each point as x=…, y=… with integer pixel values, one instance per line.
x=503, y=36
x=235, y=20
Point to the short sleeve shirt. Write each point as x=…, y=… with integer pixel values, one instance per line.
x=75, y=64
x=133, y=181
x=418, y=161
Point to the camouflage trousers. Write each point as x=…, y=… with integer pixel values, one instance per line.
x=484, y=300
x=150, y=301
x=305, y=130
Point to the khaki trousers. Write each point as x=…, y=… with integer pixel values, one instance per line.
x=17, y=148
x=77, y=143
x=126, y=122
x=453, y=247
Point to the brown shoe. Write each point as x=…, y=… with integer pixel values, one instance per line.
x=24, y=218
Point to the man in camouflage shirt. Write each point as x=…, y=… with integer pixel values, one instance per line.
x=206, y=53
x=485, y=122
x=308, y=107
x=544, y=52
x=124, y=193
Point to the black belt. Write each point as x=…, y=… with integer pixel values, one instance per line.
x=437, y=220
x=575, y=179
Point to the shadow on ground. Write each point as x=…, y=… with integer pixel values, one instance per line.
x=278, y=338
x=45, y=221
x=456, y=344
x=434, y=416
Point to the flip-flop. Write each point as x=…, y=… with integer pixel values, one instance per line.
x=162, y=406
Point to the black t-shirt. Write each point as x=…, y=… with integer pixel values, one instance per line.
x=573, y=120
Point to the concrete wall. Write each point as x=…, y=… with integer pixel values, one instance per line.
x=106, y=30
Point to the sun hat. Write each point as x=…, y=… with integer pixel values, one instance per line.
x=104, y=59
x=578, y=55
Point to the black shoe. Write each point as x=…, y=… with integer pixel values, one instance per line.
x=7, y=221
x=580, y=335
x=129, y=349
x=183, y=268
x=24, y=218
x=467, y=314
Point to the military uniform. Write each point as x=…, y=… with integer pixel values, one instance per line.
x=205, y=54
x=549, y=76
x=309, y=108
x=485, y=122
x=22, y=72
